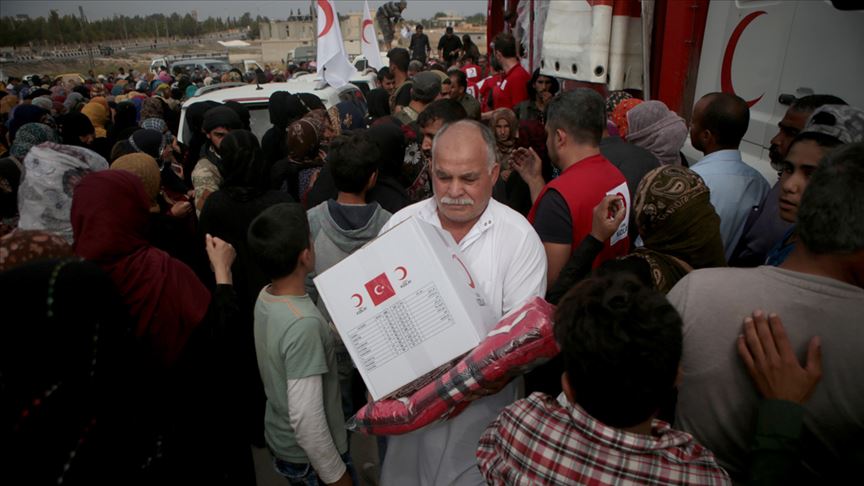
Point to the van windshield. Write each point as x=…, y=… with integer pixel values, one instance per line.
x=218, y=67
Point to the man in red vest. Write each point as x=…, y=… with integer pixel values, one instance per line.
x=563, y=208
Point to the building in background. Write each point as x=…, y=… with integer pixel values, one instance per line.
x=279, y=38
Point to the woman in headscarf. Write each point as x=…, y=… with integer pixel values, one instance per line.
x=285, y=108
x=7, y=103
x=74, y=102
x=541, y=89
x=125, y=120
x=100, y=116
x=345, y=116
x=183, y=326
x=75, y=406
x=26, y=246
x=506, y=127
x=12, y=167
x=678, y=226
x=24, y=114
x=378, y=100
x=619, y=115
x=657, y=129
x=51, y=174
x=227, y=215
x=76, y=129
x=304, y=137
x=152, y=107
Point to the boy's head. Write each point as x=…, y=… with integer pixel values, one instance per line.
x=621, y=344
x=279, y=241
x=354, y=162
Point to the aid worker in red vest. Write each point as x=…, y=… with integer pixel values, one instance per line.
x=563, y=209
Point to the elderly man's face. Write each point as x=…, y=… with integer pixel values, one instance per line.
x=461, y=178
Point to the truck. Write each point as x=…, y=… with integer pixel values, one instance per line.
x=676, y=51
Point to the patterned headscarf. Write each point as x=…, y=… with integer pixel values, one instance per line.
x=614, y=99
x=678, y=224
x=30, y=135
x=51, y=172
x=303, y=138
x=152, y=108
x=20, y=247
x=346, y=116
x=619, y=115
x=157, y=124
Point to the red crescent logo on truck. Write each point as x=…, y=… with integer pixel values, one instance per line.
x=325, y=6
x=726, y=71
x=363, y=30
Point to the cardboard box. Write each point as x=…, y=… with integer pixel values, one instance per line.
x=405, y=304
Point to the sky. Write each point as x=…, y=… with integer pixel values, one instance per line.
x=96, y=9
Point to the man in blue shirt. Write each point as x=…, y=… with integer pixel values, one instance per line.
x=719, y=123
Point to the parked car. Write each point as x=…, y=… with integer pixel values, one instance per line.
x=257, y=99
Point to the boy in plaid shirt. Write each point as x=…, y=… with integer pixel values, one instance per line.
x=621, y=344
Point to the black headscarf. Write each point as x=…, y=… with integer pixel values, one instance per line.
x=279, y=109
x=148, y=141
x=242, y=165
x=242, y=113
x=221, y=116
x=125, y=118
x=73, y=126
x=391, y=141
x=195, y=119
x=379, y=103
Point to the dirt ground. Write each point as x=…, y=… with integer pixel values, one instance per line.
x=138, y=60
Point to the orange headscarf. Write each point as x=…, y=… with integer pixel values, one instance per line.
x=619, y=116
x=98, y=115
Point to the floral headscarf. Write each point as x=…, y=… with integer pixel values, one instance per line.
x=619, y=115
x=51, y=172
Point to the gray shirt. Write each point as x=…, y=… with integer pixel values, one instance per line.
x=717, y=401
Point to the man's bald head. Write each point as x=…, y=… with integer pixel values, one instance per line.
x=726, y=116
x=464, y=131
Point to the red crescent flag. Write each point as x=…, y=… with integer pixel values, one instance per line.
x=333, y=65
x=369, y=39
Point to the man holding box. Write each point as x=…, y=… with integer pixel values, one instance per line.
x=505, y=256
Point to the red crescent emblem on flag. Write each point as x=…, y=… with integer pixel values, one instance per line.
x=726, y=70
x=363, y=30
x=325, y=6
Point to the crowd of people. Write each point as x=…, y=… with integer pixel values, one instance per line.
x=162, y=315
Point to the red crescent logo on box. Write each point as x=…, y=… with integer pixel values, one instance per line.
x=359, y=299
x=470, y=278
x=404, y=273
x=379, y=289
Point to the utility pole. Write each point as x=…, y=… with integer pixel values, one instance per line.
x=87, y=33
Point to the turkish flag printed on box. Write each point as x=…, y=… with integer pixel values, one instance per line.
x=402, y=314
x=379, y=289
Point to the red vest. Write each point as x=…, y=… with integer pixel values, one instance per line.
x=583, y=185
